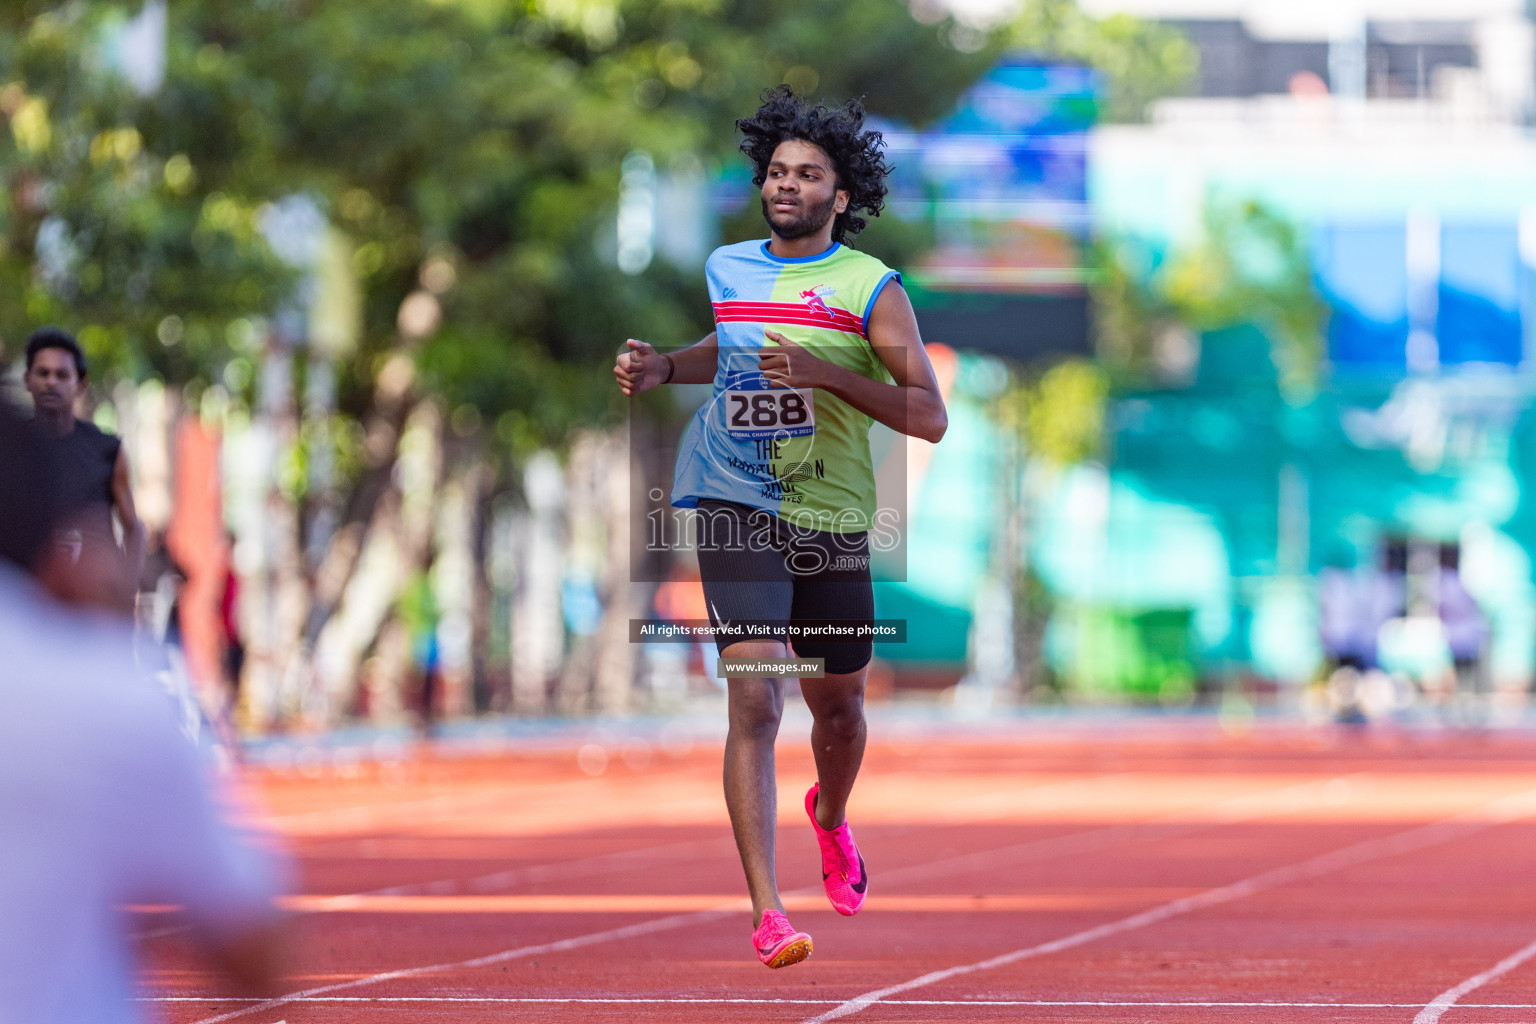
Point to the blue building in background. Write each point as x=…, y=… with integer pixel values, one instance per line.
x=1420, y=219
x=1193, y=553
x=1004, y=182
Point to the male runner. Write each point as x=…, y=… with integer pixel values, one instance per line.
x=94, y=468
x=810, y=347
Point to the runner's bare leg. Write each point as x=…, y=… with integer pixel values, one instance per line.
x=751, y=787
x=837, y=739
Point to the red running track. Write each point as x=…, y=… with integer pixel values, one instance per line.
x=1160, y=873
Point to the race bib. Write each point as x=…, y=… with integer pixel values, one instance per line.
x=786, y=412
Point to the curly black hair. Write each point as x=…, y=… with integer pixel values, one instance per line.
x=857, y=155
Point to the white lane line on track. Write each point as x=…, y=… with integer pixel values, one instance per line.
x=578, y=868
x=1414, y=839
x=562, y=869
x=683, y=1001
x=505, y=879
x=1237, y=809
x=1445, y=1000
x=548, y=872
x=1230, y=811
x=1233, y=809
x=594, y=865
x=413, y=809
x=628, y=932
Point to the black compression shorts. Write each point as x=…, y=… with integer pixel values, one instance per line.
x=757, y=567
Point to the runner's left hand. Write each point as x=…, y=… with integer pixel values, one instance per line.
x=787, y=365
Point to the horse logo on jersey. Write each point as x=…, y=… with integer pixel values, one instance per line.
x=815, y=298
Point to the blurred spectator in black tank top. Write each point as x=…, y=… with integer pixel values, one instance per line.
x=94, y=480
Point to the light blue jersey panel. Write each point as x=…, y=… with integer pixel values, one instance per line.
x=710, y=462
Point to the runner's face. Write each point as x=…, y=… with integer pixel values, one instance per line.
x=800, y=193
x=52, y=380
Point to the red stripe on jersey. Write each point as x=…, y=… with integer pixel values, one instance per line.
x=788, y=313
x=769, y=308
x=797, y=321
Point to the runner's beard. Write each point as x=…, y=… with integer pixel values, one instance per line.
x=810, y=219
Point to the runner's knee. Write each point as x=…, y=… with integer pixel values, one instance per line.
x=755, y=707
x=757, y=720
x=758, y=649
x=839, y=712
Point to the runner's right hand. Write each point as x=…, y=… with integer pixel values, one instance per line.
x=639, y=368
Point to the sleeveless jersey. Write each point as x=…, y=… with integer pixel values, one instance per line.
x=87, y=457
x=802, y=454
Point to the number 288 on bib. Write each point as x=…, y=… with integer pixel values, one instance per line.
x=786, y=412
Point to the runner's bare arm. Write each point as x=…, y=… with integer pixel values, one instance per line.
x=640, y=367
x=913, y=405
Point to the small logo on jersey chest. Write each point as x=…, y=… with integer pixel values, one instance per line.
x=816, y=299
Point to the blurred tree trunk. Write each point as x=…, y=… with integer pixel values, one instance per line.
x=394, y=399
x=599, y=674
x=614, y=674
x=484, y=595
x=584, y=555
x=396, y=544
x=454, y=586
x=277, y=688
x=538, y=629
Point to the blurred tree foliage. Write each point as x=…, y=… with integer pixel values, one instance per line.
x=480, y=137
x=1141, y=61
x=1059, y=412
x=1065, y=412
x=1060, y=409
x=105, y=231
x=1249, y=265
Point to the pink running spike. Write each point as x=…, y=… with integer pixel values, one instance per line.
x=842, y=866
x=777, y=943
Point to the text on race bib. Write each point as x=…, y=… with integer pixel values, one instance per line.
x=787, y=412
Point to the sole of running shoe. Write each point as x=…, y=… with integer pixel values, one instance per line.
x=793, y=953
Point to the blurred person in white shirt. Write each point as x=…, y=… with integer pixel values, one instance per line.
x=104, y=803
